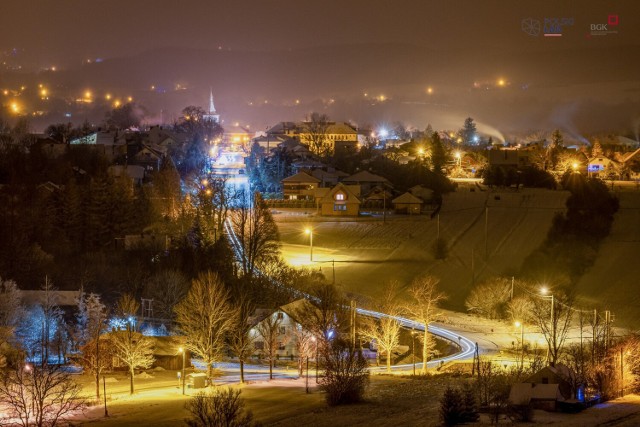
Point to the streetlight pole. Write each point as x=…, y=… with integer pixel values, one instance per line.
x=413, y=351
x=521, y=325
x=104, y=393
x=552, y=341
x=307, y=379
x=183, y=351
x=315, y=341
x=309, y=231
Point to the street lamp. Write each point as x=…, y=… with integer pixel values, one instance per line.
x=521, y=326
x=458, y=159
x=307, y=379
x=182, y=350
x=309, y=231
x=413, y=351
x=543, y=292
x=316, y=342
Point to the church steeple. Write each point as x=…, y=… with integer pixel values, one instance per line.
x=212, y=108
x=212, y=115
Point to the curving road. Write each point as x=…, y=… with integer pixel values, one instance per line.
x=466, y=346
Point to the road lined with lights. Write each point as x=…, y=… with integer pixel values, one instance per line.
x=466, y=346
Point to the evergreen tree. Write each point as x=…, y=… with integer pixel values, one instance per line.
x=438, y=154
x=468, y=131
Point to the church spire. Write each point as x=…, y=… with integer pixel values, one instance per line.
x=212, y=108
x=211, y=115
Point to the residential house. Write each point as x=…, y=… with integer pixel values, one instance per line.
x=603, y=167
x=378, y=198
x=329, y=178
x=134, y=172
x=148, y=156
x=287, y=326
x=631, y=164
x=104, y=142
x=545, y=389
x=167, y=354
x=366, y=180
x=300, y=186
x=339, y=200
x=51, y=148
x=509, y=159
x=268, y=142
x=340, y=136
x=407, y=203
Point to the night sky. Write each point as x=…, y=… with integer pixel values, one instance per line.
x=401, y=48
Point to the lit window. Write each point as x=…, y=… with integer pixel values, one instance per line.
x=340, y=196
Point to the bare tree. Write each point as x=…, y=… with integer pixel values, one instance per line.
x=553, y=316
x=386, y=330
x=218, y=408
x=315, y=134
x=424, y=309
x=205, y=316
x=269, y=331
x=11, y=309
x=51, y=314
x=346, y=374
x=39, y=395
x=520, y=309
x=257, y=233
x=240, y=338
x=306, y=344
x=167, y=289
x=489, y=299
x=133, y=349
x=127, y=306
x=91, y=319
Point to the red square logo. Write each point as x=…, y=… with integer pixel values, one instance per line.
x=613, y=20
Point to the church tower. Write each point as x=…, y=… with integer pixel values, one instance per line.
x=211, y=115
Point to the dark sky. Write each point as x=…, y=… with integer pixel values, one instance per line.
x=116, y=27
x=579, y=81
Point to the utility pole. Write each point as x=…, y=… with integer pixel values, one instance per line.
x=353, y=324
x=438, y=227
x=486, y=232
x=512, y=281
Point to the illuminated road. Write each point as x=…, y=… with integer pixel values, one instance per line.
x=466, y=346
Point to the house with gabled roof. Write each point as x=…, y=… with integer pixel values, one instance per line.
x=300, y=186
x=407, y=203
x=287, y=315
x=377, y=199
x=329, y=178
x=339, y=200
x=366, y=180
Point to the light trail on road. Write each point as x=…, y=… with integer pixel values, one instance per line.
x=465, y=345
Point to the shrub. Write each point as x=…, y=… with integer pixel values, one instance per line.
x=218, y=408
x=346, y=375
x=451, y=407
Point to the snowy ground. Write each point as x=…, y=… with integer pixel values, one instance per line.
x=367, y=252
x=390, y=401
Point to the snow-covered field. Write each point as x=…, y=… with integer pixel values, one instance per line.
x=391, y=401
x=367, y=252
x=613, y=282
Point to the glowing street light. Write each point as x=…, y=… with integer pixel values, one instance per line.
x=429, y=90
x=309, y=231
x=501, y=82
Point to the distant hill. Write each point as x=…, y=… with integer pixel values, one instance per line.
x=586, y=88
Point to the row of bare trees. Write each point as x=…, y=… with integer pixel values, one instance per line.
x=422, y=307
